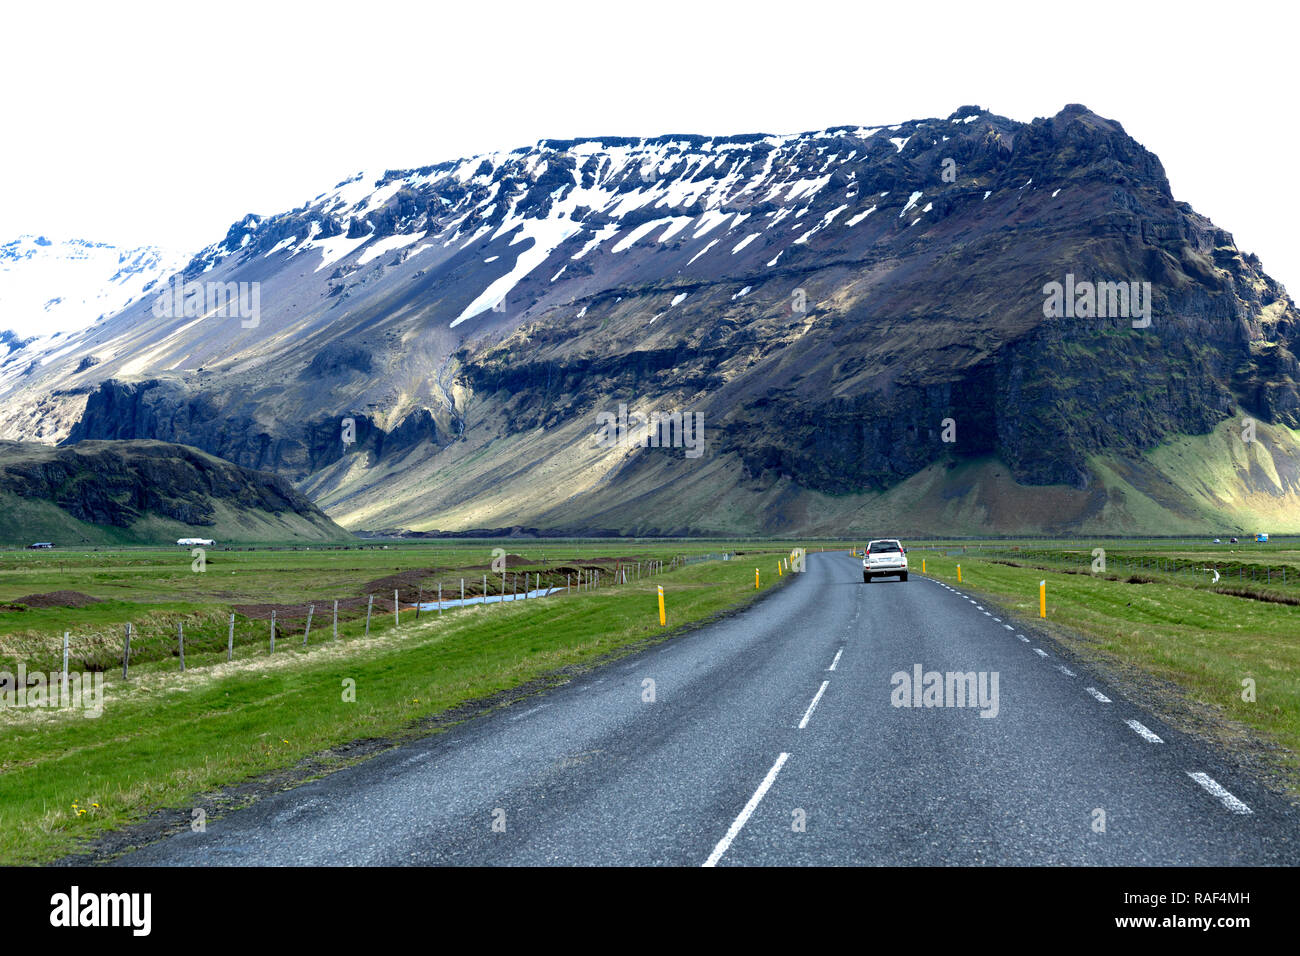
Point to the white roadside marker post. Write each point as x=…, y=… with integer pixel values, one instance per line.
x=126, y=651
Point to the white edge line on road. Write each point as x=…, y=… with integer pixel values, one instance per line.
x=813, y=706
x=1099, y=695
x=1227, y=799
x=837, y=659
x=1008, y=627
x=1065, y=670
x=1040, y=652
x=738, y=824
x=1023, y=638
x=1143, y=732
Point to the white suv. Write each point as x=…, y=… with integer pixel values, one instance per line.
x=884, y=558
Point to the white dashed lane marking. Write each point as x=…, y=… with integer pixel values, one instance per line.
x=1040, y=652
x=1224, y=797
x=837, y=659
x=813, y=706
x=1143, y=732
x=1099, y=695
x=740, y=821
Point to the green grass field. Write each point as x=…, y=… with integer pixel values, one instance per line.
x=1141, y=618
x=171, y=740
x=165, y=736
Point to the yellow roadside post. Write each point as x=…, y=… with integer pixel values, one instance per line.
x=1042, y=598
x=756, y=579
x=778, y=569
x=662, y=619
x=959, y=574
x=923, y=565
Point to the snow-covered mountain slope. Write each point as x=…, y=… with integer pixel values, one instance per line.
x=825, y=299
x=49, y=286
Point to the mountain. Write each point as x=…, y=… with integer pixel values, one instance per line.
x=866, y=320
x=50, y=286
x=146, y=492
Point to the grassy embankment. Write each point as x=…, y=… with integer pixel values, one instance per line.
x=1138, y=621
x=164, y=736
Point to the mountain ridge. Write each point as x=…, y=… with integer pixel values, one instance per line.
x=827, y=300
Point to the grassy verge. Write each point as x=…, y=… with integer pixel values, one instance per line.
x=164, y=737
x=1202, y=640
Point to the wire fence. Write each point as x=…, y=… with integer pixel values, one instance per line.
x=210, y=636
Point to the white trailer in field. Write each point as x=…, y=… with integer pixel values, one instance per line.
x=195, y=542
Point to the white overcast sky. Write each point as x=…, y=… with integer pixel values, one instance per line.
x=141, y=123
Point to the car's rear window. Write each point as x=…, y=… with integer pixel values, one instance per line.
x=883, y=546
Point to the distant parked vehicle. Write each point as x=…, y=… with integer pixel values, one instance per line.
x=195, y=542
x=1262, y=538
x=884, y=558
x=1232, y=540
x=39, y=546
x=1217, y=541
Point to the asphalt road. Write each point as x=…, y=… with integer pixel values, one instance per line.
x=773, y=739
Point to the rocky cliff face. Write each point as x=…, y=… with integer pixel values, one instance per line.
x=119, y=484
x=845, y=308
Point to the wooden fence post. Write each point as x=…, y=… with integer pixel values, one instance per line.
x=369, y=605
x=272, y=632
x=65, y=664
x=126, y=652
x=311, y=609
x=230, y=638
x=397, y=614
x=336, y=620
x=180, y=639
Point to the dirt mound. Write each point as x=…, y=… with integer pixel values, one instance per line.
x=512, y=561
x=298, y=612
x=58, y=599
